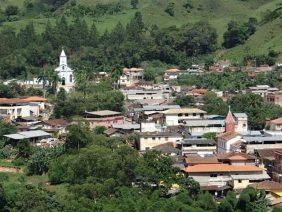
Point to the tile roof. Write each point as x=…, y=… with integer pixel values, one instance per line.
x=57, y=122
x=184, y=110
x=206, y=168
x=267, y=185
x=22, y=100
x=228, y=135
x=230, y=118
x=267, y=153
x=200, y=160
x=235, y=156
x=277, y=121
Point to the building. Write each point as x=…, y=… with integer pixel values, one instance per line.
x=65, y=73
x=171, y=74
x=175, y=117
x=22, y=107
x=148, y=140
x=194, y=146
x=237, y=158
x=264, y=91
x=141, y=94
x=273, y=189
x=275, y=125
x=105, y=118
x=130, y=77
x=225, y=175
x=35, y=137
x=229, y=142
x=55, y=126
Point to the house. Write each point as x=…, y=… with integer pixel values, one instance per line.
x=266, y=157
x=237, y=158
x=65, y=73
x=268, y=93
x=131, y=76
x=105, y=118
x=141, y=94
x=273, y=189
x=277, y=166
x=56, y=126
x=275, y=125
x=148, y=140
x=167, y=148
x=225, y=175
x=35, y=137
x=274, y=97
x=171, y=74
x=22, y=106
x=220, y=66
x=197, y=146
x=192, y=160
x=174, y=117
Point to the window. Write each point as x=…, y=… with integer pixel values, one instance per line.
x=186, y=114
x=180, y=114
x=71, y=78
x=154, y=138
x=213, y=175
x=63, y=81
x=194, y=114
x=166, y=138
x=239, y=181
x=160, y=138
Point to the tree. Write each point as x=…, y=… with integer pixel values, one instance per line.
x=134, y=4
x=11, y=10
x=170, y=8
x=78, y=137
x=184, y=100
x=24, y=149
x=214, y=104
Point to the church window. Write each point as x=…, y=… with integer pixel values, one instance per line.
x=71, y=78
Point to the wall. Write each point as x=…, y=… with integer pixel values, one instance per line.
x=240, y=185
x=149, y=142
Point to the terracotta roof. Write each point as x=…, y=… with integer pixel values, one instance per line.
x=56, y=122
x=228, y=135
x=267, y=185
x=22, y=100
x=277, y=121
x=203, y=168
x=199, y=91
x=200, y=160
x=235, y=156
x=267, y=153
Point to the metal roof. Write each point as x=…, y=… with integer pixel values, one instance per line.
x=203, y=122
x=28, y=134
x=127, y=126
x=197, y=141
x=103, y=113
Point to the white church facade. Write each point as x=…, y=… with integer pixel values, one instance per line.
x=65, y=73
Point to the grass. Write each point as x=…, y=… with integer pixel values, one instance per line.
x=217, y=12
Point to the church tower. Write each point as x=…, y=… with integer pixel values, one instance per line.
x=65, y=73
x=230, y=123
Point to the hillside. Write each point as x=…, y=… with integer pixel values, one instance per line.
x=217, y=12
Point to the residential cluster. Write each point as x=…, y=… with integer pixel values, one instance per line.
x=234, y=158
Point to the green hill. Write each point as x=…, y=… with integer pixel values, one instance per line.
x=217, y=12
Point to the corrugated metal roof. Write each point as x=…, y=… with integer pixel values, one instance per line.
x=28, y=134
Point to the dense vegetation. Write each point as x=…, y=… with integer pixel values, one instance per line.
x=105, y=174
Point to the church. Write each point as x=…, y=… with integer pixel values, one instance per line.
x=65, y=73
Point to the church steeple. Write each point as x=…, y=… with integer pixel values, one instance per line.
x=63, y=58
x=230, y=123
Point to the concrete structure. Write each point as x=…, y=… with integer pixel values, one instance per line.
x=140, y=94
x=22, y=107
x=195, y=146
x=65, y=73
x=148, y=140
x=175, y=117
x=131, y=76
x=276, y=124
x=222, y=175
x=105, y=118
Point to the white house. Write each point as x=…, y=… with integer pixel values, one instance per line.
x=175, y=117
x=65, y=73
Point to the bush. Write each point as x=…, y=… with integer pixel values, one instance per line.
x=11, y=10
x=170, y=9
